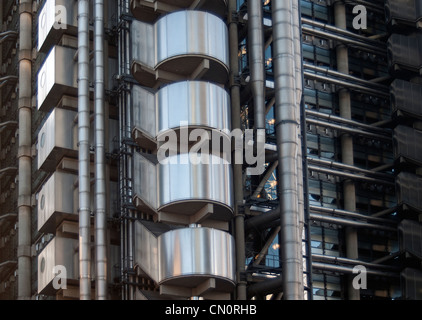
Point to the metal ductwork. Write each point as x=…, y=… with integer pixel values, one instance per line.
x=256, y=61
x=180, y=46
x=287, y=132
x=84, y=152
x=100, y=152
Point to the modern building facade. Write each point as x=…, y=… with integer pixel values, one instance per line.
x=132, y=133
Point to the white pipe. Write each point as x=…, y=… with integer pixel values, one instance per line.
x=100, y=165
x=24, y=153
x=287, y=126
x=84, y=152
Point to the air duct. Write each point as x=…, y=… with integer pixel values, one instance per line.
x=100, y=166
x=84, y=151
x=256, y=60
x=287, y=130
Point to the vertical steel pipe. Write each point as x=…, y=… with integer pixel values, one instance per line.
x=84, y=151
x=298, y=89
x=24, y=152
x=256, y=60
x=237, y=168
x=287, y=127
x=100, y=165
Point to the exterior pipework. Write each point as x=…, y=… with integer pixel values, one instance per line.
x=346, y=143
x=84, y=151
x=256, y=60
x=297, y=37
x=287, y=128
x=237, y=168
x=24, y=153
x=100, y=165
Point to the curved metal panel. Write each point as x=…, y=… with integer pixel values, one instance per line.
x=194, y=252
x=196, y=103
x=181, y=180
x=191, y=32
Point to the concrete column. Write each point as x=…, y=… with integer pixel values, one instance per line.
x=349, y=192
x=24, y=151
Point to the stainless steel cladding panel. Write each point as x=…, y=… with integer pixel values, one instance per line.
x=191, y=32
x=181, y=180
x=59, y=252
x=55, y=18
x=407, y=143
x=146, y=251
x=143, y=43
x=143, y=111
x=193, y=252
x=196, y=102
x=58, y=17
x=145, y=181
x=56, y=77
x=55, y=201
x=56, y=133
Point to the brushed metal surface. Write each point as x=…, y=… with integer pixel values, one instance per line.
x=191, y=32
x=191, y=253
x=59, y=251
x=196, y=103
x=57, y=138
x=182, y=180
x=56, y=201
